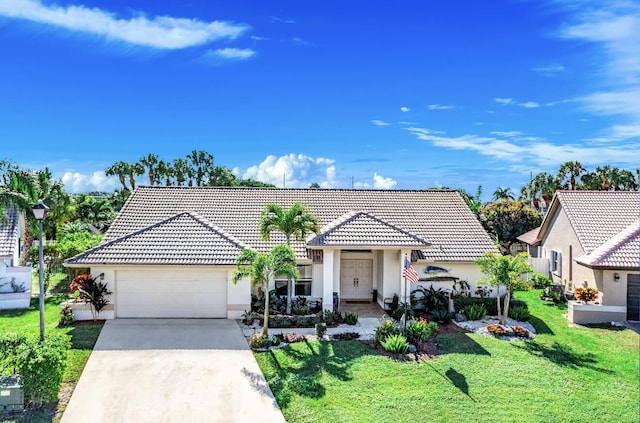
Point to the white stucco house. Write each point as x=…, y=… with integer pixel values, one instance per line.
x=171, y=251
x=13, y=276
x=592, y=238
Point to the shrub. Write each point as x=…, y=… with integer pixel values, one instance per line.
x=301, y=310
x=521, y=331
x=66, y=316
x=475, y=311
x=586, y=294
x=41, y=365
x=522, y=286
x=538, y=280
x=442, y=316
x=489, y=303
x=275, y=341
x=420, y=330
x=346, y=336
x=386, y=329
x=330, y=316
x=400, y=310
x=519, y=313
x=258, y=340
x=396, y=344
x=321, y=329
x=433, y=299
x=496, y=330
x=549, y=294
x=350, y=318
x=10, y=343
x=91, y=291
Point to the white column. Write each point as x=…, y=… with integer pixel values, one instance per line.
x=327, y=280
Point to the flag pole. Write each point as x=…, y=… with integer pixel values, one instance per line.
x=406, y=307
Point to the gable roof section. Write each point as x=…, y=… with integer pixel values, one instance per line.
x=439, y=217
x=183, y=239
x=360, y=229
x=9, y=233
x=596, y=216
x=621, y=251
x=531, y=237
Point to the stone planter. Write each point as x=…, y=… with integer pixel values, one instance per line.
x=594, y=313
x=15, y=300
x=82, y=311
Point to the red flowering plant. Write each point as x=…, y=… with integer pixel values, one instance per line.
x=586, y=294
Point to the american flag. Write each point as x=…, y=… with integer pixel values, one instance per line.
x=409, y=273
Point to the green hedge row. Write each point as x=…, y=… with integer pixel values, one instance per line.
x=490, y=303
x=286, y=321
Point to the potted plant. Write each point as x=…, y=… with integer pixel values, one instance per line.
x=586, y=294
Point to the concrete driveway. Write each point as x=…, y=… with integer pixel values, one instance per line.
x=171, y=370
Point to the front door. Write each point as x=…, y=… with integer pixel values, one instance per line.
x=356, y=279
x=633, y=297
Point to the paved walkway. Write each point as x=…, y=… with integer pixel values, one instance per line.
x=172, y=370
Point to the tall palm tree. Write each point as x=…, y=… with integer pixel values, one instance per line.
x=604, y=175
x=181, y=170
x=164, y=171
x=626, y=181
x=297, y=221
x=202, y=165
x=135, y=169
x=573, y=170
x=503, y=194
x=121, y=170
x=149, y=162
x=262, y=270
x=52, y=193
x=546, y=185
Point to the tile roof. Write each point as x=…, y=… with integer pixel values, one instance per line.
x=439, y=217
x=8, y=233
x=530, y=237
x=622, y=250
x=185, y=238
x=360, y=229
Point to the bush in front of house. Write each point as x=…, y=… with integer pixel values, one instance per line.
x=41, y=366
x=519, y=313
x=321, y=329
x=420, y=330
x=475, y=311
x=396, y=344
x=258, y=341
x=540, y=281
x=489, y=303
x=350, y=318
x=386, y=329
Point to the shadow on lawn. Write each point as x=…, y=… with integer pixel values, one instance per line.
x=563, y=355
x=333, y=358
x=540, y=325
x=459, y=343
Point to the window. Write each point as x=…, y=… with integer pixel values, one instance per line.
x=556, y=262
x=303, y=283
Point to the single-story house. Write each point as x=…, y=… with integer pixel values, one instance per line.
x=592, y=238
x=12, y=275
x=172, y=250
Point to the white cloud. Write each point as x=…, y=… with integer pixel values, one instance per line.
x=503, y=100
x=378, y=122
x=549, y=70
x=440, y=107
x=529, y=105
x=404, y=109
x=161, y=32
x=294, y=171
x=226, y=54
x=76, y=182
x=507, y=134
x=380, y=182
x=512, y=102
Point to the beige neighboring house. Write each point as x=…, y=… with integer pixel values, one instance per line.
x=171, y=251
x=592, y=238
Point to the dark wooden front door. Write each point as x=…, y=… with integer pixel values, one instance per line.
x=633, y=297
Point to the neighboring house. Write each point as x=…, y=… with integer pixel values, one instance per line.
x=10, y=234
x=172, y=250
x=592, y=238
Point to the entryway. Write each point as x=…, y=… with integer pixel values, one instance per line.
x=633, y=297
x=356, y=279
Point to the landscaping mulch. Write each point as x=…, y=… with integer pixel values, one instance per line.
x=88, y=322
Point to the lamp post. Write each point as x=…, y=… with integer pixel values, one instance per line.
x=40, y=211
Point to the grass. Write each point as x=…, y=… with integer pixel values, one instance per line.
x=82, y=339
x=567, y=374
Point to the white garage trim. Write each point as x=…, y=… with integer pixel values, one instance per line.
x=171, y=293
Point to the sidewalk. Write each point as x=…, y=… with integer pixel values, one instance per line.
x=366, y=327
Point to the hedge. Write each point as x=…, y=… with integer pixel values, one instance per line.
x=490, y=303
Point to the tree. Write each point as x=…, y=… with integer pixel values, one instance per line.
x=149, y=162
x=98, y=213
x=164, y=171
x=181, y=170
x=120, y=169
x=135, y=169
x=503, y=194
x=507, y=220
x=474, y=202
x=503, y=271
x=222, y=177
x=52, y=193
x=202, y=165
x=573, y=170
x=546, y=184
x=297, y=221
x=118, y=198
x=314, y=185
x=262, y=269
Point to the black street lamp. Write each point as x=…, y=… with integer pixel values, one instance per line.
x=40, y=211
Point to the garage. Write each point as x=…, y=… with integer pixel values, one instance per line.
x=172, y=293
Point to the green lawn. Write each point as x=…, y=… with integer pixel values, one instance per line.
x=82, y=339
x=567, y=374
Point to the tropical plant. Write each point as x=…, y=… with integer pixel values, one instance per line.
x=395, y=344
x=201, y=165
x=503, y=194
x=586, y=294
x=181, y=170
x=521, y=331
x=538, y=280
x=92, y=292
x=121, y=170
x=150, y=162
x=330, y=316
x=386, y=329
x=135, y=169
x=473, y=201
x=496, y=330
x=259, y=341
x=297, y=222
x=222, y=177
x=420, y=330
x=521, y=314
x=66, y=316
x=433, y=299
x=350, y=318
x=442, y=315
x=503, y=271
x=573, y=170
x=118, y=198
x=321, y=329
x=475, y=311
x=262, y=269
x=403, y=309
x=164, y=171
x=98, y=213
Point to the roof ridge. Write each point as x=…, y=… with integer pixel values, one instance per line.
x=206, y=222
x=610, y=246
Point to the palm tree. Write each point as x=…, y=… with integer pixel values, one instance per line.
x=149, y=162
x=297, y=221
x=202, y=165
x=119, y=169
x=164, y=170
x=546, y=185
x=503, y=194
x=181, y=170
x=626, y=181
x=263, y=268
x=573, y=170
x=52, y=193
x=135, y=169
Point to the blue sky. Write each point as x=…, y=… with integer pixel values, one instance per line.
x=375, y=94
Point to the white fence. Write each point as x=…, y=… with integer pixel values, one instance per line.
x=540, y=265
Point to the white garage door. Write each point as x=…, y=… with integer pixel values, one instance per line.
x=171, y=293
